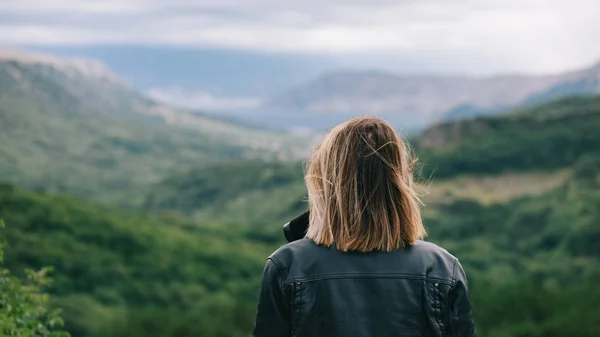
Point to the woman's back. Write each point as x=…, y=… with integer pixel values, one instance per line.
x=362, y=269
x=311, y=290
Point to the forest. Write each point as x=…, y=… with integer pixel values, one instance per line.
x=183, y=255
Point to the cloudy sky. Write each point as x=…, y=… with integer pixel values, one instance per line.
x=301, y=38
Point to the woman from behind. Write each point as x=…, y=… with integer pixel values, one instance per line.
x=362, y=269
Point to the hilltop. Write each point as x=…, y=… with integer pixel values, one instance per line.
x=73, y=126
x=417, y=101
x=496, y=158
x=133, y=274
x=545, y=137
x=515, y=196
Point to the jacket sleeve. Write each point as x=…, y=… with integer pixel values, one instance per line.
x=272, y=315
x=462, y=313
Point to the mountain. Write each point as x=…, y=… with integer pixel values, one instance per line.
x=539, y=117
x=137, y=273
x=89, y=87
x=522, y=152
x=416, y=101
x=71, y=125
x=116, y=272
x=249, y=193
x=549, y=136
x=132, y=274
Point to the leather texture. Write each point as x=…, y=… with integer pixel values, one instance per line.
x=296, y=228
x=310, y=291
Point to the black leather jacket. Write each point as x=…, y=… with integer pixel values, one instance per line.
x=312, y=291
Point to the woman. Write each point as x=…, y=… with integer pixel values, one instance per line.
x=362, y=270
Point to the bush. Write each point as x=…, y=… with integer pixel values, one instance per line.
x=23, y=306
x=587, y=167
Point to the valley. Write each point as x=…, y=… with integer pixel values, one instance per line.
x=66, y=130
x=158, y=221
x=418, y=101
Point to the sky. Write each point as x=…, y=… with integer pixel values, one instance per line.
x=234, y=52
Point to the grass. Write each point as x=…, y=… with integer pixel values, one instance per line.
x=490, y=189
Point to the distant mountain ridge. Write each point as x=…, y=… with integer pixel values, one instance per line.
x=417, y=101
x=96, y=89
x=584, y=108
x=544, y=138
x=74, y=126
x=90, y=68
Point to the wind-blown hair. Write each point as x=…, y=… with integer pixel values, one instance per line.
x=361, y=191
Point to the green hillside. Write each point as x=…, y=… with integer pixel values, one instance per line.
x=250, y=192
x=564, y=106
x=65, y=131
x=549, y=136
x=539, y=148
x=516, y=197
x=531, y=253
x=113, y=268
x=130, y=274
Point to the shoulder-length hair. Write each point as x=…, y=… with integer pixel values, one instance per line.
x=361, y=192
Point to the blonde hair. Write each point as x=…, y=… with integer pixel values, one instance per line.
x=361, y=191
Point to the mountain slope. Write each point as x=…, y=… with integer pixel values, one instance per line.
x=129, y=274
x=415, y=101
x=65, y=127
x=461, y=131
x=111, y=267
x=549, y=136
x=251, y=193
x=535, y=148
x=133, y=274
x=69, y=82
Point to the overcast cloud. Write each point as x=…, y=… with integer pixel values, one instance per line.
x=199, y=99
x=524, y=35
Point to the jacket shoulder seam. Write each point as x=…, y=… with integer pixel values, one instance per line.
x=279, y=272
x=276, y=263
x=454, y=272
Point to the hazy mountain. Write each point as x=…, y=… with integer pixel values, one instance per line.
x=219, y=72
x=542, y=138
x=95, y=89
x=575, y=116
x=136, y=274
x=416, y=101
x=71, y=124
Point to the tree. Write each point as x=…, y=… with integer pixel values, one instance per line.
x=587, y=168
x=24, y=306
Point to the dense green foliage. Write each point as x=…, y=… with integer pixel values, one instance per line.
x=191, y=266
x=112, y=268
x=533, y=264
x=531, y=141
x=123, y=274
x=241, y=192
x=24, y=308
x=548, y=136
